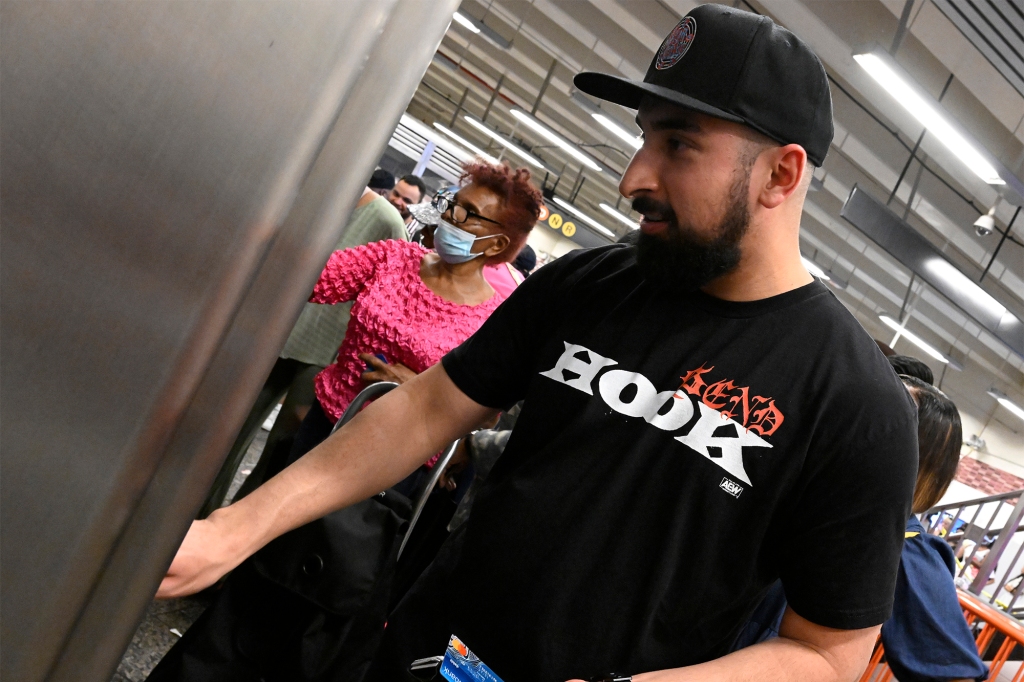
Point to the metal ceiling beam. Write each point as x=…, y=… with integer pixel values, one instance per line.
x=903, y=242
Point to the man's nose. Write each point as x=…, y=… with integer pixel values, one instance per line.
x=641, y=175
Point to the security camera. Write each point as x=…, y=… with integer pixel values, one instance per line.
x=985, y=224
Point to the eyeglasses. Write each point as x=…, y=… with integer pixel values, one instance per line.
x=445, y=203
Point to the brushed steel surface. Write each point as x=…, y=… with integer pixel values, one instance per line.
x=172, y=180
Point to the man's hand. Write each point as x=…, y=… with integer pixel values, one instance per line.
x=207, y=553
x=382, y=445
x=383, y=371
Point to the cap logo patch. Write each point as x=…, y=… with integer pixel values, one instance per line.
x=677, y=43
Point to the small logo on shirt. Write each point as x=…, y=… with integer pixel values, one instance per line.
x=731, y=487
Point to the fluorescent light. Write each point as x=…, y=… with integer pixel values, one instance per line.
x=478, y=26
x=1005, y=401
x=632, y=224
x=814, y=269
x=928, y=114
x=569, y=148
x=466, y=21
x=505, y=142
x=913, y=338
x=633, y=141
x=946, y=271
x=467, y=144
x=584, y=217
x=1012, y=407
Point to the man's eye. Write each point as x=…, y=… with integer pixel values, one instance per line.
x=678, y=144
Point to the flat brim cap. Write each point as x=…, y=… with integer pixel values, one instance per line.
x=737, y=66
x=630, y=93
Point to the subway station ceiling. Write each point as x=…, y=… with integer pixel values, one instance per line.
x=522, y=54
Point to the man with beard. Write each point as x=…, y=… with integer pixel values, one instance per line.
x=407, y=192
x=701, y=417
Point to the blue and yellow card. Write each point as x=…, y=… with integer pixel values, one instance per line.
x=462, y=665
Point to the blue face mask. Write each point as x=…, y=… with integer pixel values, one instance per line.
x=455, y=245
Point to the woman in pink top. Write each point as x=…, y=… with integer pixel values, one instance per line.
x=503, y=278
x=411, y=305
x=396, y=315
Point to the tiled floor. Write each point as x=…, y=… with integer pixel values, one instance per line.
x=1007, y=673
x=156, y=634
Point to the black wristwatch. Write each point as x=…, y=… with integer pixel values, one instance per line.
x=611, y=677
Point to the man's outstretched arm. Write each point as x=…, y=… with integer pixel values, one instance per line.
x=803, y=652
x=385, y=443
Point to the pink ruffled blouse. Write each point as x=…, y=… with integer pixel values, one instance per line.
x=394, y=314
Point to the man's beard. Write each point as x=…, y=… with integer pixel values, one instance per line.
x=404, y=212
x=683, y=259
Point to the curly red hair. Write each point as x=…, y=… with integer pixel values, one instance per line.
x=521, y=200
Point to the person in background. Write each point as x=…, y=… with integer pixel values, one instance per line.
x=309, y=348
x=484, y=224
x=526, y=261
x=503, y=277
x=926, y=639
x=912, y=367
x=381, y=182
x=630, y=238
x=409, y=190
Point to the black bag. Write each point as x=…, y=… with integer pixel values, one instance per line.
x=309, y=607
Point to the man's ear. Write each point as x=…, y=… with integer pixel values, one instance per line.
x=787, y=171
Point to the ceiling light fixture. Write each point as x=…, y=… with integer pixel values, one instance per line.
x=1005, y=401
x=467, y=144
x=465, y=21
x=633, y=141
x=913, y=338
x=584, y=217
x=505, y=142
x=569, y=148
x=884, y=70
x=478, y=26
x=625, y=220
x=948, y=272
x=814, y=269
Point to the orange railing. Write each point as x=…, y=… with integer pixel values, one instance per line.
x=976, y=612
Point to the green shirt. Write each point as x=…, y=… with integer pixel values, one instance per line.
x=321, y=328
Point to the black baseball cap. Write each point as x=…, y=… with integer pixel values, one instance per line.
x=738, y=66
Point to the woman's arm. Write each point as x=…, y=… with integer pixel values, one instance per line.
x=347, y=273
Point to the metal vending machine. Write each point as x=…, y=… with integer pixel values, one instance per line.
x=173, y=176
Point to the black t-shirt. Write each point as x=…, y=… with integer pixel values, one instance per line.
x=675, y=455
